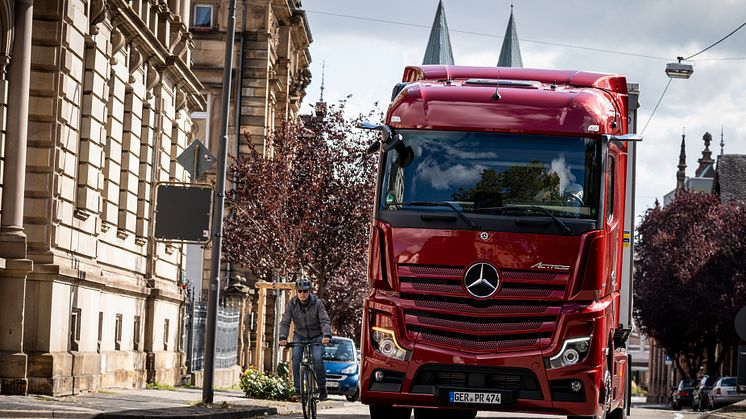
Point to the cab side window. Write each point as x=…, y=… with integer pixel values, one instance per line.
x=610, y=190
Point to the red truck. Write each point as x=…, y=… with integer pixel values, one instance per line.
x=496, y=245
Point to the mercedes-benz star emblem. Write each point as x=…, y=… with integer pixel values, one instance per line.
x=481, y=280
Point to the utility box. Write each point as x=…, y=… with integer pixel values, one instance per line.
x=183, y=212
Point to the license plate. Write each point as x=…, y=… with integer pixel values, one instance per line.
x=471, y=397
x=332, y=384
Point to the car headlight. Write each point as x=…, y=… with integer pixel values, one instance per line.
x=384, y=342
x=350, y=370
x=572, y=352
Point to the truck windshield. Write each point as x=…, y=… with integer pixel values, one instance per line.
x=486, y=172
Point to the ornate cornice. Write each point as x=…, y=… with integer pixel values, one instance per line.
x=147, y=43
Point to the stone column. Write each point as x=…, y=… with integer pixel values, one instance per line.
x=19, y=76
x=13, y=362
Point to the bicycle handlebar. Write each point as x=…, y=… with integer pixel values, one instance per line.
x=292, y=344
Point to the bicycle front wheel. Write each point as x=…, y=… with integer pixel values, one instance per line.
x=305, y=394
x=313, y=392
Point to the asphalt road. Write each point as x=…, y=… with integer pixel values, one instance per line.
x=360, y=411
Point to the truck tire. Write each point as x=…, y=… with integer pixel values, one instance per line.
x=389, y=412
x=444, y=414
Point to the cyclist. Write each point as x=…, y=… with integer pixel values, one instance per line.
x=312, y=323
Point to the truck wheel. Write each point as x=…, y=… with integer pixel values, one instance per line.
x=389, y=412
x=444, y=414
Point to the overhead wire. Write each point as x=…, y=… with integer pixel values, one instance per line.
x=688, y=58
x=656, y=106
x=631, y=54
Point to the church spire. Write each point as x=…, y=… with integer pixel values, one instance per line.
x=681, y=174
x=510, y=53
x=438, y=49
x=722, y=143
x=320, y=108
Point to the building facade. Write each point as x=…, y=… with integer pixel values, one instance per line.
x=271, y=61
x=96, y=104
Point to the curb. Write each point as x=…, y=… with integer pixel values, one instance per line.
x=179, y=412
x=194, y=412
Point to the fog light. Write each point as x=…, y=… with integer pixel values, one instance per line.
x=378, y=375
x=576, y=385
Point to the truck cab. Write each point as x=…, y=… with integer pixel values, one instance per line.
x=496, y=245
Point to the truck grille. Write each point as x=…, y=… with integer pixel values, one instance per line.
x=522, y=314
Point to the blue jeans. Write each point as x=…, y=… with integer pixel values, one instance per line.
x=318, y=362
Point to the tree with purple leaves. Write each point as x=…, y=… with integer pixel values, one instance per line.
x=304, y=208
x=690, y=278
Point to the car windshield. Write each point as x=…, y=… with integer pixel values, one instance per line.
x=488, y=173
x=339, y=350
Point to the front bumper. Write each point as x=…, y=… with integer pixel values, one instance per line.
x=523, y=380
x=346, y=385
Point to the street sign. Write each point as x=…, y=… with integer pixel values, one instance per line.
x=196, y=159
x=183, y=212
x=741, y=323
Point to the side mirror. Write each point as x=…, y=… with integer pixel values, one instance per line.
x=388, y=138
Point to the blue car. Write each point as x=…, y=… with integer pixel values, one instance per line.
x=342, y=368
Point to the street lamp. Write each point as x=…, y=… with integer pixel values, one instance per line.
x=679, y=70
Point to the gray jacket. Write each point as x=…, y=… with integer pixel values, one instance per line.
x=310, y=320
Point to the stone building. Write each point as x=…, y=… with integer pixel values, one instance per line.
x=95, y=103
x=271, y=70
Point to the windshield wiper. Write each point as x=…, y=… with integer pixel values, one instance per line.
x=437, y=204
x=529, y=208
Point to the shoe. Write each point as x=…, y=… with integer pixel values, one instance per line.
x=323, y=395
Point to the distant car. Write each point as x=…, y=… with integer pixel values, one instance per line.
x=682, y=394
x=725, y=392
x=701, y=393
x=342, y=368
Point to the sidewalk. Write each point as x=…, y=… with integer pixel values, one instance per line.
x=142, y=403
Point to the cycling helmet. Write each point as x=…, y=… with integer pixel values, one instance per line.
x=302, y=284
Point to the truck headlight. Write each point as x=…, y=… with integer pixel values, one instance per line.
x=384, y=342
x=350, y=370
x=572, y=352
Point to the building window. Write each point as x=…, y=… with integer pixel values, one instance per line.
x=118, y=333
x=100, y=330
x=202, y=16
x=75, y=319
x=136, y=334
x=165, y=335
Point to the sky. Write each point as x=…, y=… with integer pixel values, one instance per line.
x=366, y=57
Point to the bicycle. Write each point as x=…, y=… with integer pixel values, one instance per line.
x=309, y=385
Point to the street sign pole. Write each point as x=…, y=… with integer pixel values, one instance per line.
x=217, y=213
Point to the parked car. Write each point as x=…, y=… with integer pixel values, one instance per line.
x=682, y=394
x=701, y=394
x=725, y=392
x=342, y=368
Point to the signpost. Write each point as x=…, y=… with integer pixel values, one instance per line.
x=217, y=213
